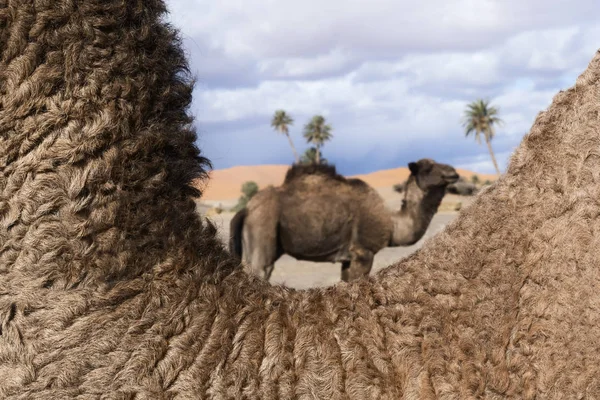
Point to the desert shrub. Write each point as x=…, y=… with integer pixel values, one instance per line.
x=310, y=156
x=249, y=189
x=475, y=179
x=399, y=187
x=214, y=211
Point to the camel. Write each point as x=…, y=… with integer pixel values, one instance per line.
x=318, y=215
x=112, y=286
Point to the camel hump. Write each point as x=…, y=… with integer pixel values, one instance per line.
x=357, y=182
x=298, y=171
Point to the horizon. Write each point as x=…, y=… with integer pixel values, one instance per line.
x=359, y=173
x=391, y=79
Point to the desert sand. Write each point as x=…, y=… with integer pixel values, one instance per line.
x=304, y=274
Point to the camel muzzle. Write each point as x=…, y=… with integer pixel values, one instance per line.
x=451, y=178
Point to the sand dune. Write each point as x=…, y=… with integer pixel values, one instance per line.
x=225, y=184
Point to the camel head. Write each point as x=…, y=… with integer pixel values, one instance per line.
x=429, y=174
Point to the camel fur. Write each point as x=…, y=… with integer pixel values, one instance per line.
x=318, y=215
x=112, y=287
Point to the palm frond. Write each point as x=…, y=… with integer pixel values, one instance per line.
x=281, y=121
x=317, y=131
x=481, y=118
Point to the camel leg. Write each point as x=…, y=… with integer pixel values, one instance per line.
x=261, y=260
x=360, y=265
x=268, y=270
x=259, y=251
x=345, y=270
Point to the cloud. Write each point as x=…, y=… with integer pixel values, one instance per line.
x=392, y=77
x=286, y=28
x=214, y=69
x=482, y=163
x=335, y=62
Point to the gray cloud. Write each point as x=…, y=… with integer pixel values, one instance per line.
x=214, y=69
x=393, y=77
x=313, y=27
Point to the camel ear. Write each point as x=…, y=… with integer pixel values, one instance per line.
x=413, y=167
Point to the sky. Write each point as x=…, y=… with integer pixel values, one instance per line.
x=392, y=77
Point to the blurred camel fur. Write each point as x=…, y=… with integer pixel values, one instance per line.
x=111, y=286
x=318, y=215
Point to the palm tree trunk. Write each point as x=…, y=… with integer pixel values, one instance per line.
x=489, y=145
x=318, y=156
x=293, y=148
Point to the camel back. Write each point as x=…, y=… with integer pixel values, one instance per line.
x=298, y=171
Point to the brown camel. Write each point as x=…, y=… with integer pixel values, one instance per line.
x=112, y=287
x=317, y=215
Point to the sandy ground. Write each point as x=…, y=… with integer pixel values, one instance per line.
x=304, y=274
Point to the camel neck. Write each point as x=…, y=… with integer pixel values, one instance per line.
x=98, y=155
x=417, y=210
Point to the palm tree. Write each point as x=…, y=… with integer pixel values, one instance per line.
x=280, y=122
x=481, y=118
x=317, y=132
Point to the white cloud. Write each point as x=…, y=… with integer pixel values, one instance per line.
x=482, y=163
x=387, y=74
x=519, y=108
x=290, y=28
x=299, y=67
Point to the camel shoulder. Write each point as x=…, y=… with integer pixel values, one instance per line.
x=268, y=197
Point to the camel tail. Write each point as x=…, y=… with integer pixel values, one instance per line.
x=235, y=232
